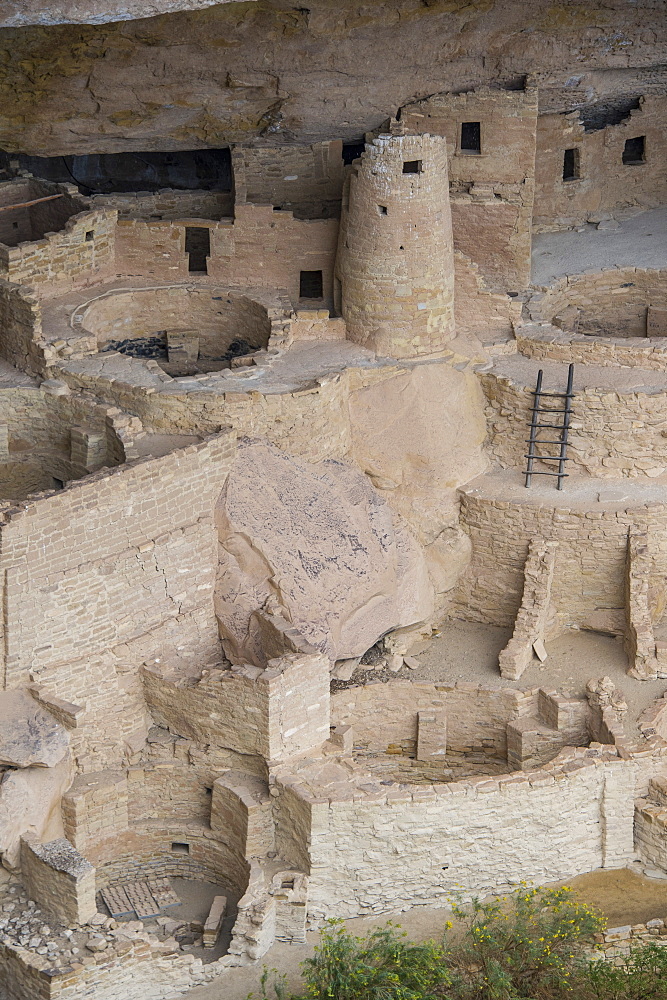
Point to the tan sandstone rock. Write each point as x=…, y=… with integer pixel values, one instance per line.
x=321, y=546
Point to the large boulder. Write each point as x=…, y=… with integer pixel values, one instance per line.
x=319, y=545
x=29, y=735
x=30, y=803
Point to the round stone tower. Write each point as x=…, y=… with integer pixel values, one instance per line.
x=395, y=256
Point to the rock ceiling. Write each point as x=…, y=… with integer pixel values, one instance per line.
x=278, y=72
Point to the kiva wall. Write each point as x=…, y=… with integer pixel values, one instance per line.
x=392, y=850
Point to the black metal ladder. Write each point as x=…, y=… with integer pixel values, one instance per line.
x=565, y=412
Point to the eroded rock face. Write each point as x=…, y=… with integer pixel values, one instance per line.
x=318, y=545
x=16, y=13
x=419, y=435
x=30, y=803
x=29, y=735
x=285, y=72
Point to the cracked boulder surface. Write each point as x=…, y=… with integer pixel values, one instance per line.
x=280, y=72
x=318, y=545
x=28, y=734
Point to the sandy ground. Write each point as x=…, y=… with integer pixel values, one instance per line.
x=467, y=651
x=640, y=241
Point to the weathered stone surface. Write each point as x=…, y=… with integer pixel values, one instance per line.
x=28, y=734
x=17, y=13
x=30, y=803
x=319, y=545
x=286, y=72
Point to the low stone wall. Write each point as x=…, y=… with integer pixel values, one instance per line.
x=383, y=849
x=272, y=712
x=588, y=588
x=312, y=423
x=543, y=341
x=59, y=879
x=613, y=434
x=168, y=203
x=611, y=302
x=384, y=714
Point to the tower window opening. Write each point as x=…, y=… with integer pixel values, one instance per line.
x=352, y=151
x=310, y=285
x=382, y=209
x=571, y=165
x=471, y=138
x=635, y=150
x=198, y=248
x=412, y=166
x=89, y=235
x=178, y=847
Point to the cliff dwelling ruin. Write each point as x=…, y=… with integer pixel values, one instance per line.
x=289, y=299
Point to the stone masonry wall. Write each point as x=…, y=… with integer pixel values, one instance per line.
x=492, y=192
x=313, y=423
x=21, y=325
x=259, y=247
x=613, y=434
x=168, y=204
x=391, y=849
x=588, y=588
x=477, y=717
x=612, y=302
x=395, y=258
x=80, y=253
x=92, y=571
x=59, y=879
x=547, y=342
x=273, y=713
x=307, y=180
x=605, y=183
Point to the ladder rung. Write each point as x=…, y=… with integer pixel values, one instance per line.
x=552, y=427
x=555, y=395
x=542, y=409
x=548, y=458
x=561, y=474
x=538, y=441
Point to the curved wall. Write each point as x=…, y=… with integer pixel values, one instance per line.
x=396, y=256
x=218, y=317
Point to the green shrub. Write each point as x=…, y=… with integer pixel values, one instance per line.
x=519, y=944
x=381, y=966
x=642, y=976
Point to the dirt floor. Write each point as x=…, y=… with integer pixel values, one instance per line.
x=640, y=241
x=467, y=651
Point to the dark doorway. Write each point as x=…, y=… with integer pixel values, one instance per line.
x=352, y=151
x=198, y=247
x=571, y=164
x=310, y=285
x=635, y=150
x=471, y=138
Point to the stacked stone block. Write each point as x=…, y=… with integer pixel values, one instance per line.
x=395, y=257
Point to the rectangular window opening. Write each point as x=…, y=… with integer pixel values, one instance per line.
x=178, y=847
x=310, y=285
x=382, y=209
x=198, y=248
x=635, y=150
x=571, y=165
x=471, y=137
x=412, y=166
x=89, y=235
